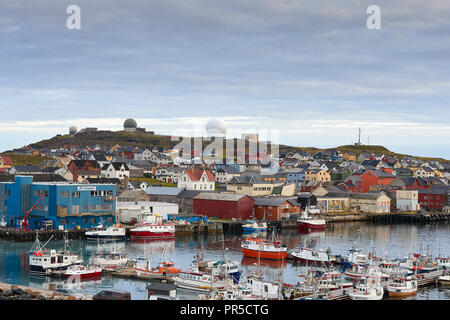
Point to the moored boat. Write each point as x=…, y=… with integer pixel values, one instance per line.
x=310, y=256
x=367, y=288
x=115, y=232
x=444, y=280
x=43, y=261
x=307, y=223
x=83, y=272
x=402, y=285
x=153, y=231
x=264, y=249
x=254, y=226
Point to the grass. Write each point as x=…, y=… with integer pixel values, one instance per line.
x=153, y=181
x=18, y=160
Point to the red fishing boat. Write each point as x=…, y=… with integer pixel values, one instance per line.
x=271, y=249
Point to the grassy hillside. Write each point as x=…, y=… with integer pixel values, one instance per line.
x=18, y=160
x=141, y=139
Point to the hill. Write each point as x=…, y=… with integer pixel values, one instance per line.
x=143, y=139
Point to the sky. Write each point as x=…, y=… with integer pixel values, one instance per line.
x=308, y=72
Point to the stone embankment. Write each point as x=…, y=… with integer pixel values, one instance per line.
x=15, y=292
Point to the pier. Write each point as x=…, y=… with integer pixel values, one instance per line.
x=14, y=234
x=125, y=273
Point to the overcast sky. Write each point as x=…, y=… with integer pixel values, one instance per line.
x=309, y=70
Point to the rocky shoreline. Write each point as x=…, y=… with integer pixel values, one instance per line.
x=15, y=292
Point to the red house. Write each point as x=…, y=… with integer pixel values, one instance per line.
x=223, y=205
x=415, y=184
x=76, y=166
x=376, y=178
x=434, y=198
x=275, y=208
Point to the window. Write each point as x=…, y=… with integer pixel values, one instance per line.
x=64, y=194
x=75, y=194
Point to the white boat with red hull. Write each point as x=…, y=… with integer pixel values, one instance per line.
x=153, y=231
x=82, y=272
x=308, y=223
x=159, y=230
x=310, y=256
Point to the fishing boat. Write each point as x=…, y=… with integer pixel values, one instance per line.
x=3, y=223
x=444, y=279
x=165, y=267
x=264, y=249
x=199, y=281
x=43, y=261
x=159, y=230
x=83, y=272
x=367, y=288
x=230, y=292
x=310, y=256
x=205, y=275
x=307, y=223
x=355, y=256
x=421, y=264
x=359, y=271
x=115, y=232
x=402, y=285
x=254, y=226
x=109, y=260
x=443, y=262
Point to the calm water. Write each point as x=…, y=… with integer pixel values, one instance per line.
x=391, y=241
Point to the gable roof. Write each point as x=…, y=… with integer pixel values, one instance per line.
x=196, y=174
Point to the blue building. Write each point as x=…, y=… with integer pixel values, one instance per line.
x=70, y=205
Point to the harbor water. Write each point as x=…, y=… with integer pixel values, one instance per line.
x=390, y=241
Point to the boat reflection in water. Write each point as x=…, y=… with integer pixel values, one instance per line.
x=106, y=246
x=274, y=264
x=154, y=246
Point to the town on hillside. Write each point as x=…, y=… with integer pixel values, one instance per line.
x=81, y=186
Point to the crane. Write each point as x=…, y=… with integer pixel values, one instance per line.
x=24, y=224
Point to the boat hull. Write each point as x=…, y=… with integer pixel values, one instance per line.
x=251, y=230
x=270, y=255
x=106, y=237
x=151, y=235
x=307, y=226
x=308, y=261
x=89, y=275
x=401, y=293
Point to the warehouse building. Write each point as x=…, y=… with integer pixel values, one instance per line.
x=57, y=204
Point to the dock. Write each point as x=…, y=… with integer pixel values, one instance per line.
x=14, y=234
x=125, y=273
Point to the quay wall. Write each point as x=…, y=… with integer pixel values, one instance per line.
x=15, y=234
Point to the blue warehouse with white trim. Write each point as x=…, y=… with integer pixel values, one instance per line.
x=71, y=205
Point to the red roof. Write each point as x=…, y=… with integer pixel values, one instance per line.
x=196, y=174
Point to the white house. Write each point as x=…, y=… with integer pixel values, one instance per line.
x=117, y=170
x=197, y=179
x=160, y=158
x=145, y=210
x=226, y=173
x=143, y=155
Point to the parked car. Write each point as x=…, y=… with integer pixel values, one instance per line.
x=112, y=295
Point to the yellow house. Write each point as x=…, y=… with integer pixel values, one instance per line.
x=317, y=175
x=349, y=156
x=438, y=173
